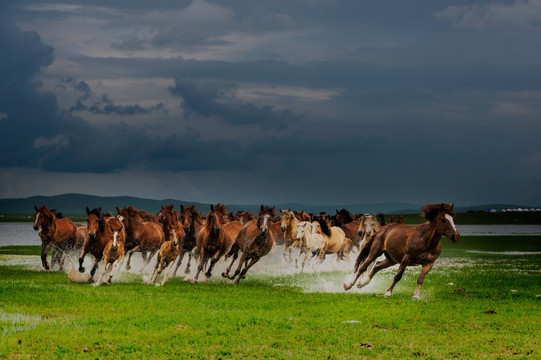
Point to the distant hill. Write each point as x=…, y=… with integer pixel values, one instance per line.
x=75, y=204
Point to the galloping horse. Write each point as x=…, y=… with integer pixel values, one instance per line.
x=368, y=228
x=288, y=224
x=335, y=238
x=114, y=250
x=215, y=239
x=168, y=253
x=169, y=218
x=346, y=222
x=100, y=232
x=309, y=243
x=60, y=233
x=192, y=222
x=255, y=241
x=411, y=245
x=147, y=236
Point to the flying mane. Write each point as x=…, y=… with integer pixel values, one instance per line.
x=325, y=226
x=430, y=211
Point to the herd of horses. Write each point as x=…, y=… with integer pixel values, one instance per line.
x=243, y=238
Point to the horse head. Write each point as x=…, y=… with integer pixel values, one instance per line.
x=286, y=217
x=264, y=218
x=215, y=218
x=189, y=216
x=370, y=225
x=93, y=221
x=443, y=216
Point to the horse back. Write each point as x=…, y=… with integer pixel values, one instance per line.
x=336, y=241
x=65, y=231
x=230, y=231
x=246, y=233
x=276, y=233
x=395, y=239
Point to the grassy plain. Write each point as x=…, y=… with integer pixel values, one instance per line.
x=481, y=300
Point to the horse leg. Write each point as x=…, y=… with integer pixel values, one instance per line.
x=45, y=247
x=225, y=274
x=180, y=256
x=130, y=253
x=190, y=255
x=213, y=262
x=202, y=261
x=167, y=272
x=403, y=264
x=306, y=258
x=155, y=273
x=364, y=266
x=84, y=250
x=239, y=267
x=380, y=265
x=246, y=268
x=147, y=260
x=105, y=261
x=424, y=270
x=94, y=267
x=297, y=258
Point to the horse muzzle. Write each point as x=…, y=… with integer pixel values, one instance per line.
x=37, y=227
x=454, y=237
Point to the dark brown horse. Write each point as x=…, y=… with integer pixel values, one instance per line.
x=345, y=221
x=192, y=222
x=410, y=245
x=101, y=231
x=255, y=241
x=146, y=236
x=60, y=233
x=215, y=239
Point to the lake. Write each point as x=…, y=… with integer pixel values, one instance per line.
x=22, y=233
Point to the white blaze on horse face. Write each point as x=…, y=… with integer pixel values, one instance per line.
x=36, y=221
x=120, y=217
x=451, y=221
x=114, y=238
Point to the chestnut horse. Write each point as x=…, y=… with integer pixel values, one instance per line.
x=114, y=250
x=169, y=218
x=345, y=221
x=288, y=224
x=215, y=239
x=60, y=233
x=411, y=245
x=168, y=253
x=100, y=232
x=147, y=236
x=192, y=222
x=255, y=241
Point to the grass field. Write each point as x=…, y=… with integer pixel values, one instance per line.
x=481, y=300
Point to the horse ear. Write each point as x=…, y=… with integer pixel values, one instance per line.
x=87, y=211
x=261, y=208
x=35, y=207
x=181, y=207
x=117, y=209
x=211, y=207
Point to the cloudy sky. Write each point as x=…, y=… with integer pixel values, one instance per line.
x=241, y=101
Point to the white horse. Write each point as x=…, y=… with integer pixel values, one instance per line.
x=309, y=243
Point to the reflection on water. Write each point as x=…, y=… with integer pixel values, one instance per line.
x=16, y=233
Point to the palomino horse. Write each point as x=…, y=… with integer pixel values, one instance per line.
x=411, y=245
x=215, y=239
x=255, y=241
x=100, y=233
x=368, y=228
x=147, y=236
x=114, y=250
x=192, y=222
x=335, y=238
x=168, y=253
x=60, y=233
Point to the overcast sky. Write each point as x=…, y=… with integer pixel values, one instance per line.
x=312, y=101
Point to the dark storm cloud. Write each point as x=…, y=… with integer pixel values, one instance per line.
x=106, y=107
x=212, y=100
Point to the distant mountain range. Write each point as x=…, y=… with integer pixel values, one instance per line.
x=75, y=204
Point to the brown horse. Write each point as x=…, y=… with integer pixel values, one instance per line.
x=114, y=250
x=147, y=236
x=100, y=232
x=169, y=218
x=411, y=245
x=255, y=241
x=215, y=239
x=192, y=222
x=168, y=253
x=345, y=221
x=288, y=224
x=60, y=233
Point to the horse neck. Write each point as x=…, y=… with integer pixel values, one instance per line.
x=134, y=226
x=432, y=237
x=292, y=226
x=49, y=228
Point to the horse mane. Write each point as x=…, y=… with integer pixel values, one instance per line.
x=430, y=211
x=268, y=210
x=95, y=211
x=325, y=226
x=221, y=209
x=345, y=216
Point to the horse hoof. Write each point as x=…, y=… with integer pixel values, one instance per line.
x=387, y=294
x=224, y=275
x=187, y=271
x=346, y=287
x=128, y=267
x=82, y=269
x=415, y=297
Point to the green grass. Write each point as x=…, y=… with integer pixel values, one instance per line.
x=492, y=311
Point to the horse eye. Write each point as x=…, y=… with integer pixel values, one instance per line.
x=443, y=220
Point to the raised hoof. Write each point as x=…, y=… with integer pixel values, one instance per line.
x=187, y=271
x=225, y=275
x=81, y=269
x=128, y=267
x=346, y=286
